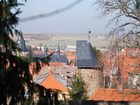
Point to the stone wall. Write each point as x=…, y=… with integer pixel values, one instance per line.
x=93, y=79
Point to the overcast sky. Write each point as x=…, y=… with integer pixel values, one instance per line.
x=78, y=19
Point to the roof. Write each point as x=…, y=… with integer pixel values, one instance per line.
x=21, y=43
x=130, y=62
x=57, y=83
x=106, y=94
x=40, y=77
x=59, y=58
x=86, y=57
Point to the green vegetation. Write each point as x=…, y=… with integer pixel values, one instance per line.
x=16, y=84
x=97, y=52
x=77, y=89
x=14, y=73
x=137, y=4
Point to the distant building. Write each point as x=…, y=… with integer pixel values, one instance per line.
x=88, y=65
x=58, y=58
x=130, y=63
x=21, y=43
x=39, y=54
x=70, y=48
x=54, y=83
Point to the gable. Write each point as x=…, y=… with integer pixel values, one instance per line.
x=52, y=83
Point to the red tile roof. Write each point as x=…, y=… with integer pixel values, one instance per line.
x=52, y=83
x=102, y=94
x=130, y=62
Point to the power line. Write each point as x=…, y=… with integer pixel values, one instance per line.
x=51, y=13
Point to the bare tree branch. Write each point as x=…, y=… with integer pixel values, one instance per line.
x=126, y=18
x=51, y=13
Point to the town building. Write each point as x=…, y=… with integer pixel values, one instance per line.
x=88, y=66
x=21, y=44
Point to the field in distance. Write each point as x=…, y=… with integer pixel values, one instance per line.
x=64, y=40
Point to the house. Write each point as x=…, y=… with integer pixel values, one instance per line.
x=119, y=66
x=58, y=58
x=55, y=83
x=88, y=66
x=130, y=63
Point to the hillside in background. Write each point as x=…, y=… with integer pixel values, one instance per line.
x=52, y=40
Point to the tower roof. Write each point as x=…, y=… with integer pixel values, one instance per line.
x=86, y=57
x=60, y=58
x=21, y=43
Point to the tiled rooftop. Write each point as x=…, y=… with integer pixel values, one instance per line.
x=57, y=83
x=106, y=94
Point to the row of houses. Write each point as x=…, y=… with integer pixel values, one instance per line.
x=108, y=79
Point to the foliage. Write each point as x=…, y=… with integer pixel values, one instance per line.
x=97, y=52
x=77, y=89
x=16, y=84
x=14, y=73
x=125, y=14
x=137, y=4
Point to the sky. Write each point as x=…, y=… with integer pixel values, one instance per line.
x=78, y=19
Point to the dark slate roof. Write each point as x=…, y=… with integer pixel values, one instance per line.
x=86, y=57
x=59, y=58
x=21, y=43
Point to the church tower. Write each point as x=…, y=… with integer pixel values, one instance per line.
x=21, y=42
x=88, y=66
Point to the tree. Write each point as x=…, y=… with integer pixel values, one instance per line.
x=16, y=84
x=137, y=5
x=126, y=17
x=77, y=89
x=14, y=73
x=97, y=52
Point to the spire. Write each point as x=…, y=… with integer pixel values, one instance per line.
x=58, y=50
x=89, y=33
x=21, y=42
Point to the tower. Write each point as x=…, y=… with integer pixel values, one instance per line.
x=21, y=42
x=88, y=66
x=58, y=50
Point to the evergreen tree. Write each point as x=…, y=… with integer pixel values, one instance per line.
x=16, y=85
x=14, y=73
x=137, y=4
x=77, y=90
